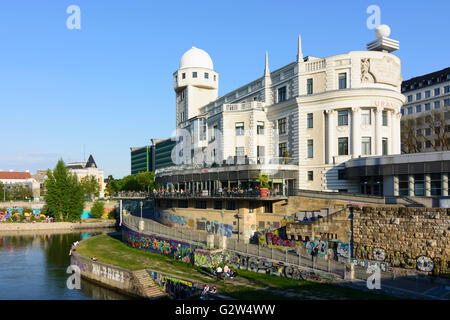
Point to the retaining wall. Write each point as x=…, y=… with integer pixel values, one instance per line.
x=55, y=226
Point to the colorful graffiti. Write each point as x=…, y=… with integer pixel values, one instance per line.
x=79, y=264
x=263, y=265
x=274, y=240
x=208, y=260
x=219, y=228
x=343, y=250
x=365, y=264
x=156, y=244
x=401, y=259
x=174, y=287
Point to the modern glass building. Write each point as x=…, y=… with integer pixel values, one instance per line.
x=163, y=152
x=141, y=159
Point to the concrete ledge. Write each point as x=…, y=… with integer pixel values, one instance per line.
x=55, y=226
x=113, y=277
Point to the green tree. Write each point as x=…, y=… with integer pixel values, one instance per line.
x=112, y=186
x=65, y=195
x=90, y=186
x=129, y=183
x=146, y=180
x=98, y=208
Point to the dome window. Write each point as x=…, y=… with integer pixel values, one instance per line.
x=194, y=74
x=183, y=75
x=206, y=75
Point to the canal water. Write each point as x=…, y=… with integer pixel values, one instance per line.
x=33, y=266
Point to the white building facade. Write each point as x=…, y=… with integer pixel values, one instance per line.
x=314, y=114
x=89, y=169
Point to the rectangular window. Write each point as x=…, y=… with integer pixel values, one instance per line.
x=428, y=144
x=194, y=74
x=385, y=118
x=419, y=185
x=410, y=110
x=310, y=148
x=437, y=104
x=385, y=146
x=427, y=131
x=366, y=146
x=365, y=116
x=437, y=91
x=309, y=86
x=418, y=96
x=418, y=108
x=183, y=75
x=343, y=118
x=282, y=148
x=282, y=126
x=239, y=128
x=435, y=184
x=447, y=102
x=342, y=80
x=260, y=128
x=427, y=94
x=200, y=204
x=310, y=175
x=402, y=111
x=240, y=151
x=218, y=204
x=419, y=132
x=342, y=175
x=446, y=89
x=260, y=154
x=206, y=75
x=343, y=146
x=282, y=94
x=231, y=205
x=410, y=98
x=310, y=120
x=427, y=106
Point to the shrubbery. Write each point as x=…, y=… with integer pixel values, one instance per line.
x=98, y=208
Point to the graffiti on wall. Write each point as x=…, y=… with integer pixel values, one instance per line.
x=157, y=244
x=400, y=259
x=366, y=264
x=343, y=250
x=79, y=264
x=219, y=228
x=263, y=265
x=205, y=259
x=174, y=287
x=107, y=273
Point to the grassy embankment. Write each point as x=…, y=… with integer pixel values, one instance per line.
x=248, y=285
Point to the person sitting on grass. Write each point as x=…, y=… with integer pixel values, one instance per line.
x=213, y=291
x=219, y=272
x=226, y=271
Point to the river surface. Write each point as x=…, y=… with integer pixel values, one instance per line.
x=33, y=266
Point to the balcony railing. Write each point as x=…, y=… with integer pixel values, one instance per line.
x=231, y=161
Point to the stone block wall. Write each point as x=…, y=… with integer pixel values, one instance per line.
x=412, y=238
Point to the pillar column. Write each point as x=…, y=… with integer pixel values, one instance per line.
x=391, y=127
x=411, y=185
x=396, y=138
x=444, y=184
x=396, y=186
x=427, y=185
x=378, y=126
x=331, y=126
x=356, y=139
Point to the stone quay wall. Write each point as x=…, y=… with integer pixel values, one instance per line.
x=56, y=226
x=113, y=277
x=411, y=238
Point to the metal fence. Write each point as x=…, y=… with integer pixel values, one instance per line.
x=299, y=257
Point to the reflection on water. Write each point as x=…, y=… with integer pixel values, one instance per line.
x=33, y=266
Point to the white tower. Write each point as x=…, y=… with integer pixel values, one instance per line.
x=195, y=83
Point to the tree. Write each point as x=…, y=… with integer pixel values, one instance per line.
x=112, y=186
x=437, y=124
x=129, y=183
x=90, y=186
x=97, y=210
x=146, y=180
x=409, y=135
x=65, y=195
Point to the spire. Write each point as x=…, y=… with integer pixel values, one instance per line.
x=266, y=70
x=299, y=50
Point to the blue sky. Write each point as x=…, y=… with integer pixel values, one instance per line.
x=108, y=86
